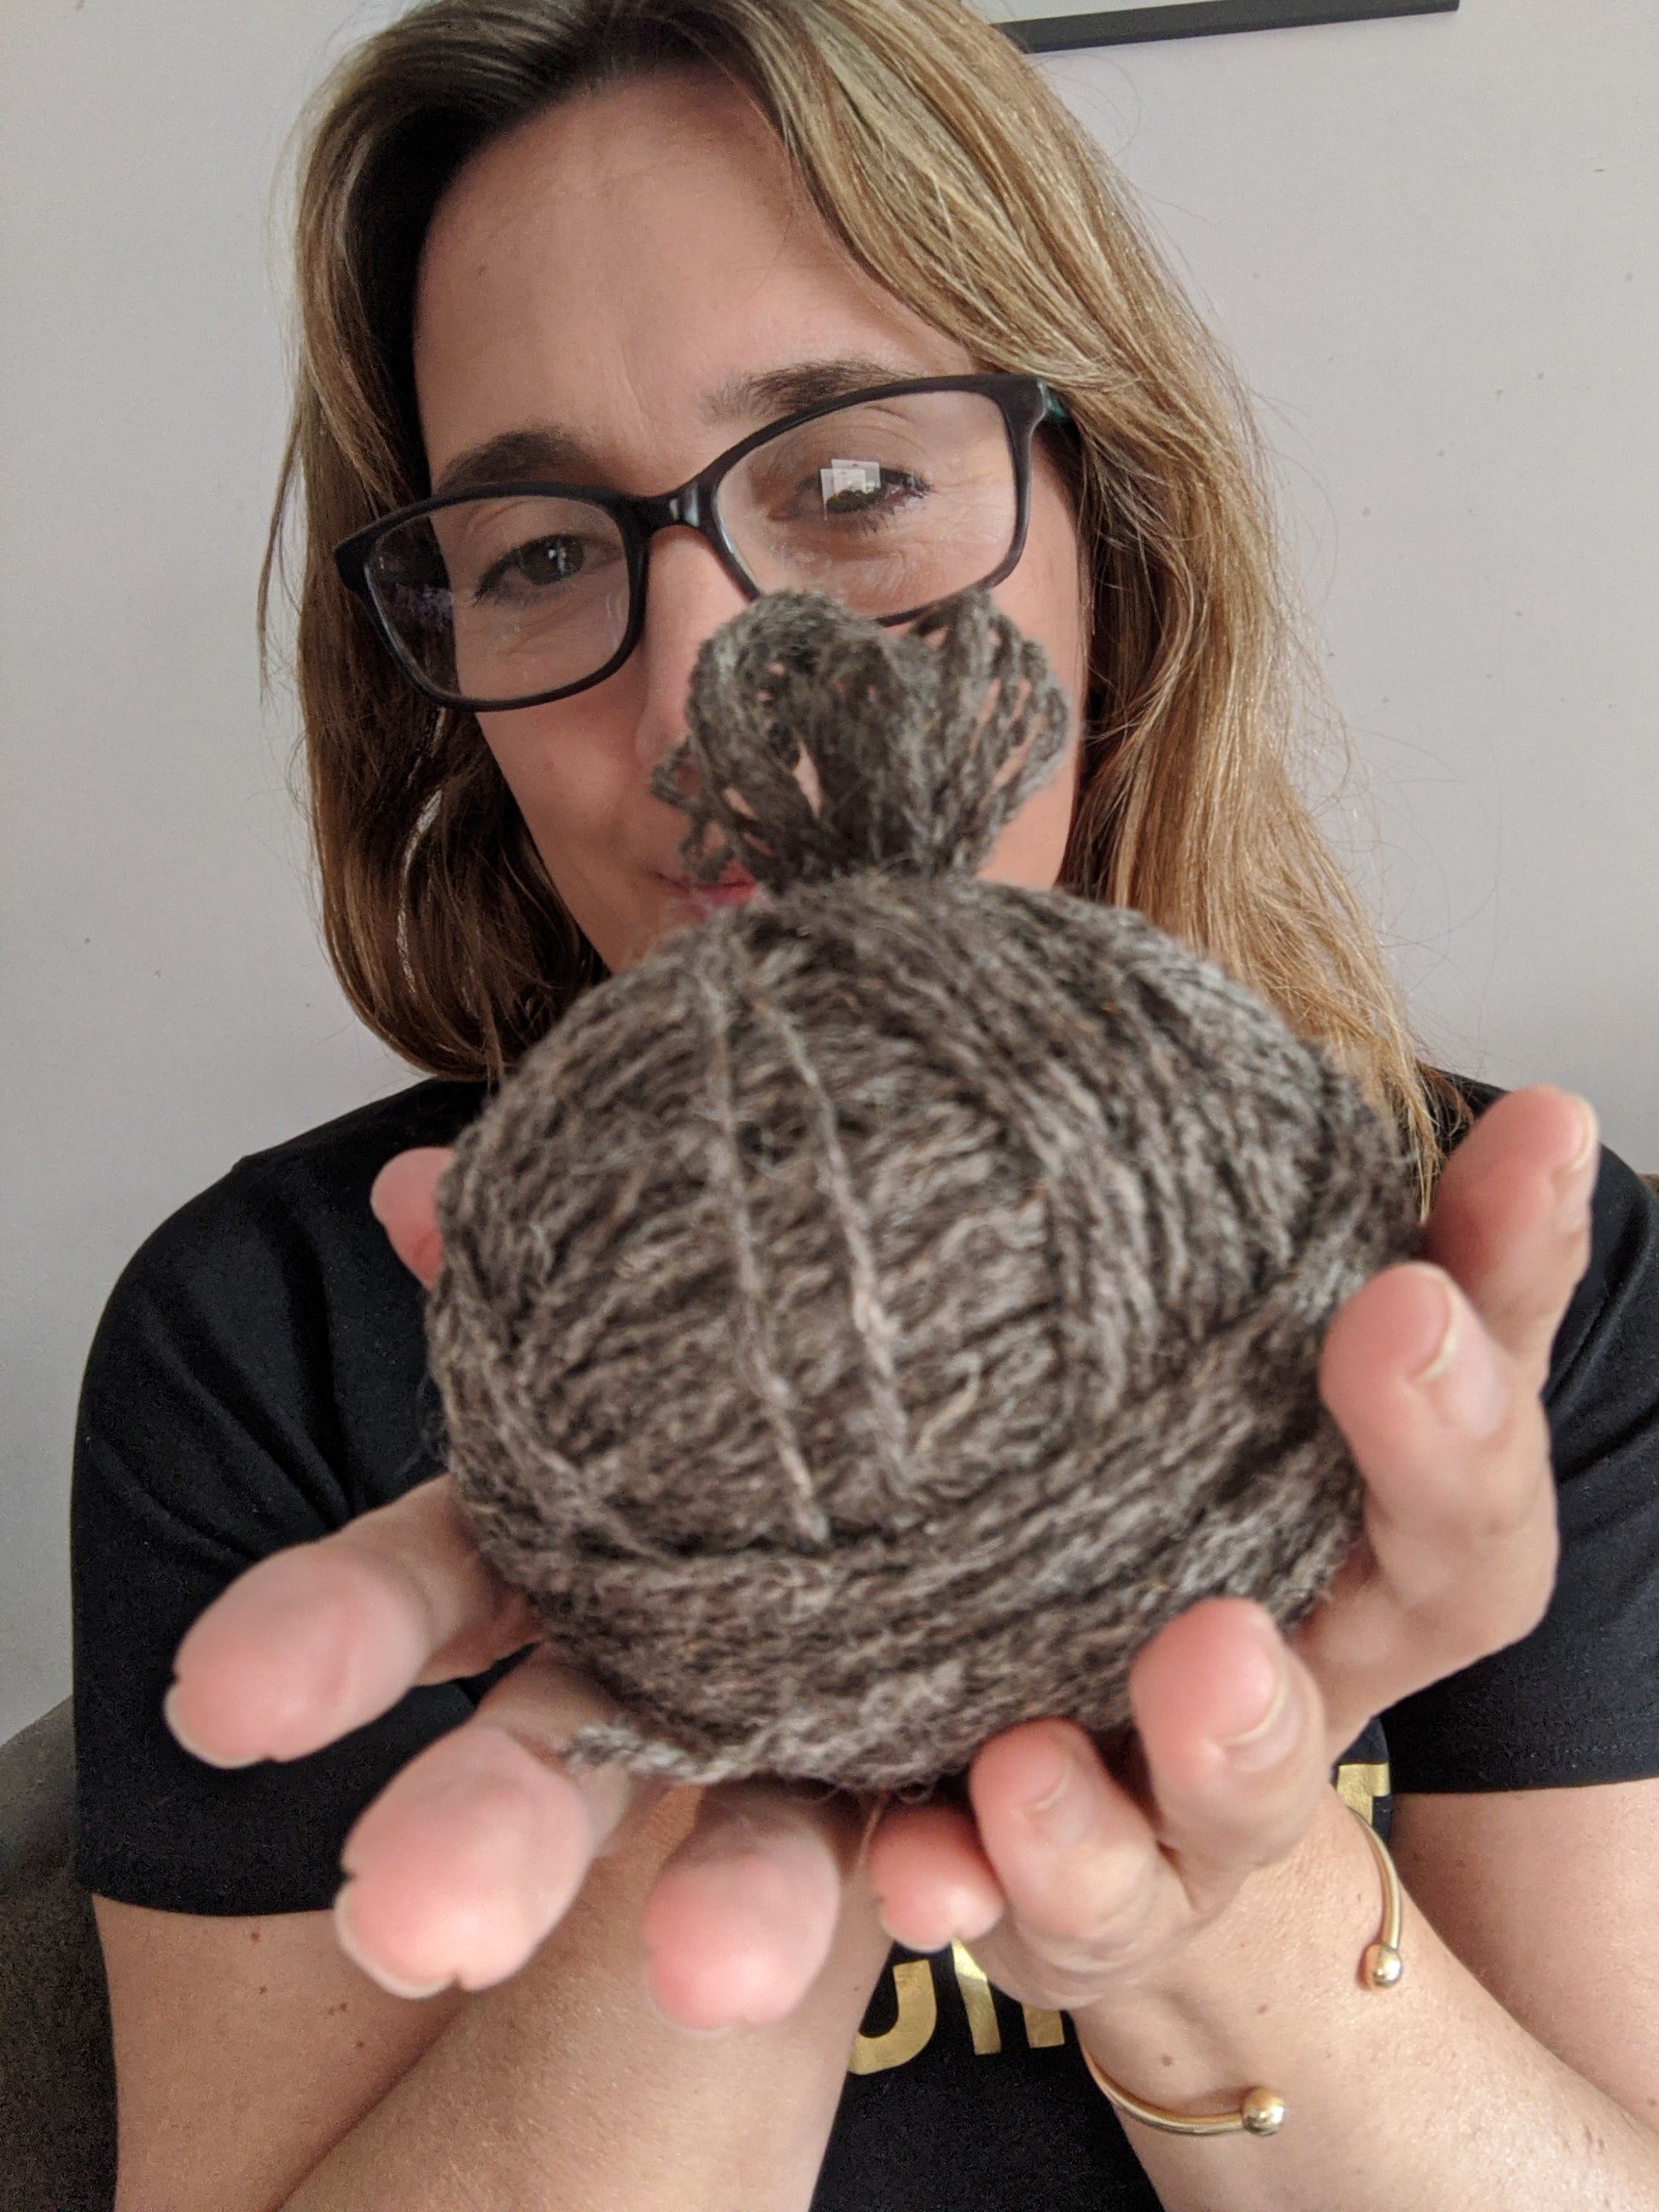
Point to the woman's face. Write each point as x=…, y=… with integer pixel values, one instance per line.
x=616, y=268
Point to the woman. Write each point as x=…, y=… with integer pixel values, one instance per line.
x=615, y=248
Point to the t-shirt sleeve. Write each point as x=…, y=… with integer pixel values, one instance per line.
x=236, y=1402
x=1577, y=1701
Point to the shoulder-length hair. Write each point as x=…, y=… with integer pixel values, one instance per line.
x=952, y=175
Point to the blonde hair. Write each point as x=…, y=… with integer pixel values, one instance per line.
x=951, y=174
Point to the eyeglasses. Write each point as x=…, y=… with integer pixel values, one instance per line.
x=890, y=500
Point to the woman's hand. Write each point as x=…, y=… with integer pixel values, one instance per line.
x=475, y=1850
x=1068, y=1881
x=1433, y=1371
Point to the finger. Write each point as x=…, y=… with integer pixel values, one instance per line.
x=475, y=1850
x=1233, y=1731
x=1075, y=1856
x=319, y=1639
x=403, y=1201
x=1230, y=1728
x=742, y=1916
x=1460, y=1548
x=933, y=1881
x=1512, y=1216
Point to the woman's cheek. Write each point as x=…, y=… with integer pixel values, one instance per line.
x=583, y=800
x=1031, y=849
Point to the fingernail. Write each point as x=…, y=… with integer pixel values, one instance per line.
x=1268, y=1718
x=1068, y=1809
x=1589, y=1138
x=346, y=1935
x=968, y=1925
x=962, y=1920
x=1575, y=1183
x=708, y=2034
x=737, y=1834
x=170, y=1714
x=1463, y=1381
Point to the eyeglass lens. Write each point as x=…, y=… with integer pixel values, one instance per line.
x=886, y=504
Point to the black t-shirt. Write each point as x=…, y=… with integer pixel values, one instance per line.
x=259, y=1378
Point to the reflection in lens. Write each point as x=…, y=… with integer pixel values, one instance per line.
x=887, y=504
x=496, y=600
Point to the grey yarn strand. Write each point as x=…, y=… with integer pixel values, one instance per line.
x=867, y=1321
x=923, y=801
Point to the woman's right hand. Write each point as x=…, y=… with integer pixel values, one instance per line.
x=473, y=1852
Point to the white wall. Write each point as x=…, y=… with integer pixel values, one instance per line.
x=1430, y=243
x=1423, y=239
x=166, y=1007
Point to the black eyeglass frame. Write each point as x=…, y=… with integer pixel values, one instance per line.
x=1026, y=403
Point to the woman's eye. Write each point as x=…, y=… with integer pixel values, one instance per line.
x=854, y=487
x=544, y=561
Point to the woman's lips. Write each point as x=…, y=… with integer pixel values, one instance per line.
x=732, y=889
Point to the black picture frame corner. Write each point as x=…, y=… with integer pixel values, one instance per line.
x=1193, y=19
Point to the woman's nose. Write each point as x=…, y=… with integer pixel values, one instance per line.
x=689, y=595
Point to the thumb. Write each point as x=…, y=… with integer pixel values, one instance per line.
x=403, y=1201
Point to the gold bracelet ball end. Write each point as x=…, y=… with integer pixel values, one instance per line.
x=1381, y=1965
x=1262, y=2112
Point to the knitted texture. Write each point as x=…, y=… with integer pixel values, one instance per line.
x=867, y=1321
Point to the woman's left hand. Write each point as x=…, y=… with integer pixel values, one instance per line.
x=1072, y=1885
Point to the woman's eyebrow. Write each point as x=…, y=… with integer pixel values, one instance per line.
x=542, y=449
x=798, y=385
x=538, y=450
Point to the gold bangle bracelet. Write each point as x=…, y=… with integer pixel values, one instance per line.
x=1261, y=2112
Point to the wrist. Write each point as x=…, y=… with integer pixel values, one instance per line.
x=1231, y=2008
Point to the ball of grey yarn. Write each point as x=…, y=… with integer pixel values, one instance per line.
x=867, y=1321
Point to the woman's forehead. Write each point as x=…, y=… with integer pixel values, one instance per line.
x=657, y=188
x=638, y=260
